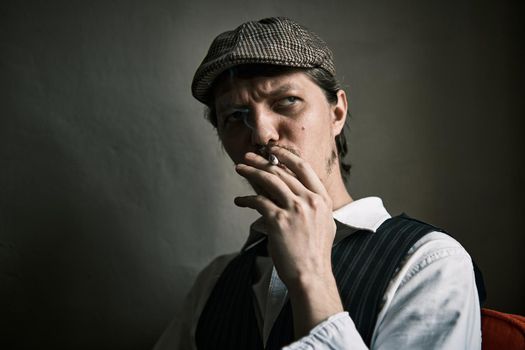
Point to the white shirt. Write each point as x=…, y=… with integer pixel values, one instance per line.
x=431, y=301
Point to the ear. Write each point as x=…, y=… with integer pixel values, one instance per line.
x=339, y=113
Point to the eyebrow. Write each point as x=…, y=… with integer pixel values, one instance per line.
x=276, y=92
x=284, y=88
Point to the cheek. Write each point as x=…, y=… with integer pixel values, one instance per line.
x=316, y=129
x=316, y=139
x=235, y=147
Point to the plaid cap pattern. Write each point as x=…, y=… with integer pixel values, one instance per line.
x=275, y=40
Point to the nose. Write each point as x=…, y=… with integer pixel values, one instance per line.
x=264, y=128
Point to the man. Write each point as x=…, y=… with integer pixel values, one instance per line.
x=319, y=270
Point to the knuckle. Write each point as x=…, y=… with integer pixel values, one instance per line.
x=280, y=217
x=314, y=201
x=298, y=206
x=301, y=165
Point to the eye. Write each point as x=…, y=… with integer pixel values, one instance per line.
x=237, y=115
x=288, y=101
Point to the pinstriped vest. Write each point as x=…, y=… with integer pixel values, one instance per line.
x=363, y=264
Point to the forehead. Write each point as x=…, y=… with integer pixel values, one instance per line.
x=238, y=89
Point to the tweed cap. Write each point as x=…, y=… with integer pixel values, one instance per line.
x=277, y=40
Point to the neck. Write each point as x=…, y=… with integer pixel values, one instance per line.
x=336, y=189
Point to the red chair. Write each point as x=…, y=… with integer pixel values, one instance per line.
x=501, y=331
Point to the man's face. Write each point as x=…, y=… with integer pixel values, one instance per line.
x=287, y=110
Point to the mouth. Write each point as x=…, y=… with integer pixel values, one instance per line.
x=264, y=152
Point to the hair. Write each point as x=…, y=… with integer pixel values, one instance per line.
x=326, y=81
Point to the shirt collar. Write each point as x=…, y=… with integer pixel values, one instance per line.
x=362, y=214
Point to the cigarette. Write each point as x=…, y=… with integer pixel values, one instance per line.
x=273, y=159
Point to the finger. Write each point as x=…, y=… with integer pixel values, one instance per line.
x=286, y=175
x=263, y=162
x=301, y=168
x=263, y=205
x=269, y=184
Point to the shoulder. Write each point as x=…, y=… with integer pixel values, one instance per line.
x=436, y=240
x=437, y=249
x=432, y=260
x=432, y=245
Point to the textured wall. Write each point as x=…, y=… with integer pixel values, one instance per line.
x=114, y=191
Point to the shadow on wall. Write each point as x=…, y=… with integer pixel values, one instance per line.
x=89, y=236
x=98, y=197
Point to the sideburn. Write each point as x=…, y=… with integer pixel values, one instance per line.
x=330, y=162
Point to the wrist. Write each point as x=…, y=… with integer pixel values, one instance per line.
x=314, y=300
x=305, y=286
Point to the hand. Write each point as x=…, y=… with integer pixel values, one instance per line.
x=297, y=211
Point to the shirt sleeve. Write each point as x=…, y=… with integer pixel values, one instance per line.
x=431, y=303
x=337, y=332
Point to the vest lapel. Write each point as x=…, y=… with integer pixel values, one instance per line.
x=228, y=319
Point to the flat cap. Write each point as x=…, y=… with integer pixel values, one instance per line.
x=277, y=40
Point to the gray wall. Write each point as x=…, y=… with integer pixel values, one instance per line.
x=114, y=191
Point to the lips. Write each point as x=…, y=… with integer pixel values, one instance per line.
x=264, y=152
